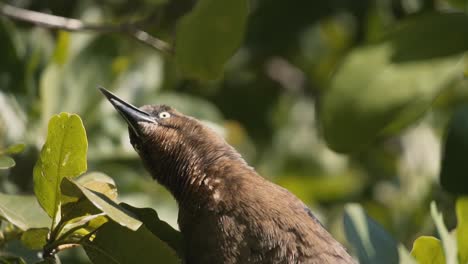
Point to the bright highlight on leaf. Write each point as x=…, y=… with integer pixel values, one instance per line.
x=428, y=250
x=209, y=35
x=62, y=156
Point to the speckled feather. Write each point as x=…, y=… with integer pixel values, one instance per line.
x=227, y=212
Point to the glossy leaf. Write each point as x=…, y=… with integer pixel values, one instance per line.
x=454, y=161
x=381, y=89
x=209, y=35
x=370, y=241
x=63, y=155
x=428, y=250
x=159, y=228
x=102, y=203
x=6, y=162
x=462, y=229
x=139, y=246
x=23, y=211
x=448, y=241
x=35, y=238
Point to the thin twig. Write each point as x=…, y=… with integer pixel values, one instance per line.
x=71, y=24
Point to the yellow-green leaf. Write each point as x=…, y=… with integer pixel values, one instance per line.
x=209, y=35
x=62, y=156
x=35, y=238
x=100, y=203
x=462, y=229
x=428, y=250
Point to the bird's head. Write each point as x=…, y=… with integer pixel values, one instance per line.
x=179, y=151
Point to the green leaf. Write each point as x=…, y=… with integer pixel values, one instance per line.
x=140, y=246
x=63, y=155
x=454, y=161
x=61, y=50
x=159, y=228
x=22, y=211
x=448, y=241
x=6, y=162
x=209, y=35
x=102, y=203
x=371, y=242
x=380, y=89
x=428, y=250
x=99, y=182
x=35, y=238
x=462, y=229
x=15, y=149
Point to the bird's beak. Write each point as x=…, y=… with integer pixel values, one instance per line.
x=130, y=113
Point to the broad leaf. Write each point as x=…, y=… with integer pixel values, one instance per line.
x=462, y=229
x=113, y=243
x=35, y=238
x=23, y=211
x=101, y=203
x=63, y=155
x=6, y=162
x=370, y=241
x=428, y=250
x=448, y=241
x=159, y=228
x=455, y=158
x=209, y=35
x=380, y=89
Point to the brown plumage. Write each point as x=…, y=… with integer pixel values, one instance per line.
x=227, y=212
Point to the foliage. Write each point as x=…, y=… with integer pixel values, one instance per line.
x=338, y=101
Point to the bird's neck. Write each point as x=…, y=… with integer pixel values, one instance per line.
x=197, y=180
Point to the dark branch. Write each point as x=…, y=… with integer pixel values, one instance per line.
x=71, y=24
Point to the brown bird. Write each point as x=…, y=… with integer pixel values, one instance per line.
x=227, y=212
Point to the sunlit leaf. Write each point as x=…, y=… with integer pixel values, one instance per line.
x=448, y=240
x=428, y=250
x=15, y=149
x=139, y=246
x=102, y=203
x=462, y=229
x=23, y=211
x=159, y=228
x=209, y=35
x=381, y=89
x=35, y=238
x=454, y=161
x=63, y=155
x=369, y=240
x=99, y=182
x=6, y=162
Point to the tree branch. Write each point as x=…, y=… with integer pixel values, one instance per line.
x=71, y=24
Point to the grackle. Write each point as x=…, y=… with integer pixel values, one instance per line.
x=227, y=212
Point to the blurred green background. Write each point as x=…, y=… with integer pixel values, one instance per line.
x=338, y=101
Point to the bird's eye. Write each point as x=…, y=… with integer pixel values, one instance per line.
x=164, y=115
